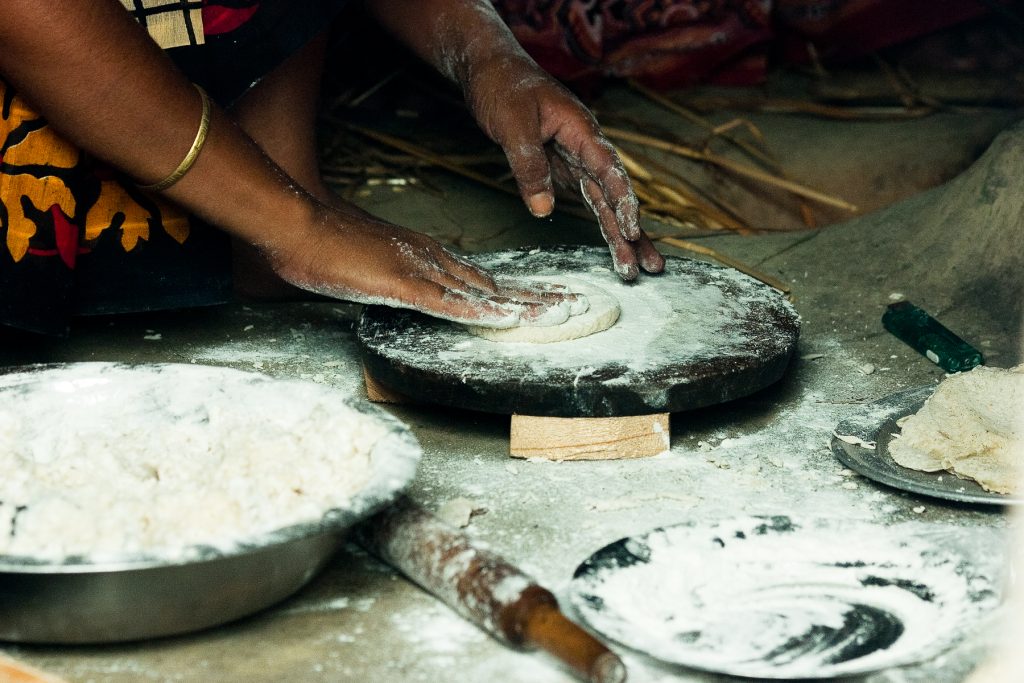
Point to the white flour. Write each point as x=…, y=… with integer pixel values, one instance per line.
x=105, y=462
x=593, y=311
x=692, y=321
x=658, y=315
x=765, y=597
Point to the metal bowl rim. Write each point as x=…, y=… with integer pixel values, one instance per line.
x=375, y=495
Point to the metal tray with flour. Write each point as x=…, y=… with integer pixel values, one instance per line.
x=76, y=601
x=791, y=598
x=861, y=442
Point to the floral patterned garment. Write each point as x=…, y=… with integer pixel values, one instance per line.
x=78, y=238
x=670, y=43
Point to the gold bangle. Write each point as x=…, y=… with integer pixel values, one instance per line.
x=193, y=153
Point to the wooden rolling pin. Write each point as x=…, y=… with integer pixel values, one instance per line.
x=484, y=588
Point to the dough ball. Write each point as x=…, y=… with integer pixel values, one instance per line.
x=602, y=314
x=972, y=427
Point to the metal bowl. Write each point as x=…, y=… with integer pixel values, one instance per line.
x=77, y=602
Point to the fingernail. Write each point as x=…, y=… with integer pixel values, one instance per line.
x=655, y=263
x=542, y=204
x=627, y=271
x=579, y=305
x=553, y=314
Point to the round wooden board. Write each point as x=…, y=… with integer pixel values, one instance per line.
x=697, y=335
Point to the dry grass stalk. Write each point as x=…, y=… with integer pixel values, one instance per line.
x=728, y=261
x=699, y=120
x=763, y=156
x=372, y=90
x=782, y=105
x=660, y=195
x=690, y=223
x=426, y=155
x=729, y=165
x=682, y=228
x=721, y=131
x=714, y=207
x=349, y=166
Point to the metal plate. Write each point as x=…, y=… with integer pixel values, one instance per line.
x=694, y=336
x=81, y=602
x=876, y=423
x=789, y=598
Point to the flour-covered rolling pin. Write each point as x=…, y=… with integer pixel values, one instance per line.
x=484, y=588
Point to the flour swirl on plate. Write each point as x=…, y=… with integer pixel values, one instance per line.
x=774, y=598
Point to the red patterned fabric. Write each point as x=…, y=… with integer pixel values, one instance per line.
x=219, y=19
x=669, y=43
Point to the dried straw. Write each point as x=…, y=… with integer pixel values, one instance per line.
x=727, y=260
x=729, y=165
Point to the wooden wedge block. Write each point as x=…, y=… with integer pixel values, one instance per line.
x=378, y=393
x=589, y=438
x=13, y=671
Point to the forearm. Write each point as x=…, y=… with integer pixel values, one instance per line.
x=96, y=76
x=99, y=79
x=456, y=36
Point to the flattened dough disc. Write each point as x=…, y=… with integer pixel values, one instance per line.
x=602, y=312
x=697, y=335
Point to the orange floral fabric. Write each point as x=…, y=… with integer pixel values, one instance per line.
x=45, y=214
x=58, y=206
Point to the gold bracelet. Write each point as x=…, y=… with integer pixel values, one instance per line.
x=193, y=153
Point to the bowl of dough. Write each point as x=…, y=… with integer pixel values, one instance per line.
x=150, y=500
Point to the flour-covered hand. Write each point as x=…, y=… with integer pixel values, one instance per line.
x=549, y=137
x=351, y=255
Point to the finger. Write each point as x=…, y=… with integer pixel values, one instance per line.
x=597, y=157
x=564, y=177
x=529, y=164
x=471, y=308
x=650, y=260
x=542, y=286
x=434, y=298
x=466, y=276
x=550, y=292
x=534, y=290
x=472, y=275
x=623, y=254
x=547, y=293
x=541, y=313
x=536, y=305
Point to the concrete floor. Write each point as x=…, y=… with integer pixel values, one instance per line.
x=767, y=454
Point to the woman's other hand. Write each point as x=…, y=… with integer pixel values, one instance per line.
x=549, y=137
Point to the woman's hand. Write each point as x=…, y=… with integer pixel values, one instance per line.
x=351, y=255
x=140, y=114
x=550, y=137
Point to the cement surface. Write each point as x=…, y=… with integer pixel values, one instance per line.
x=766, y=454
